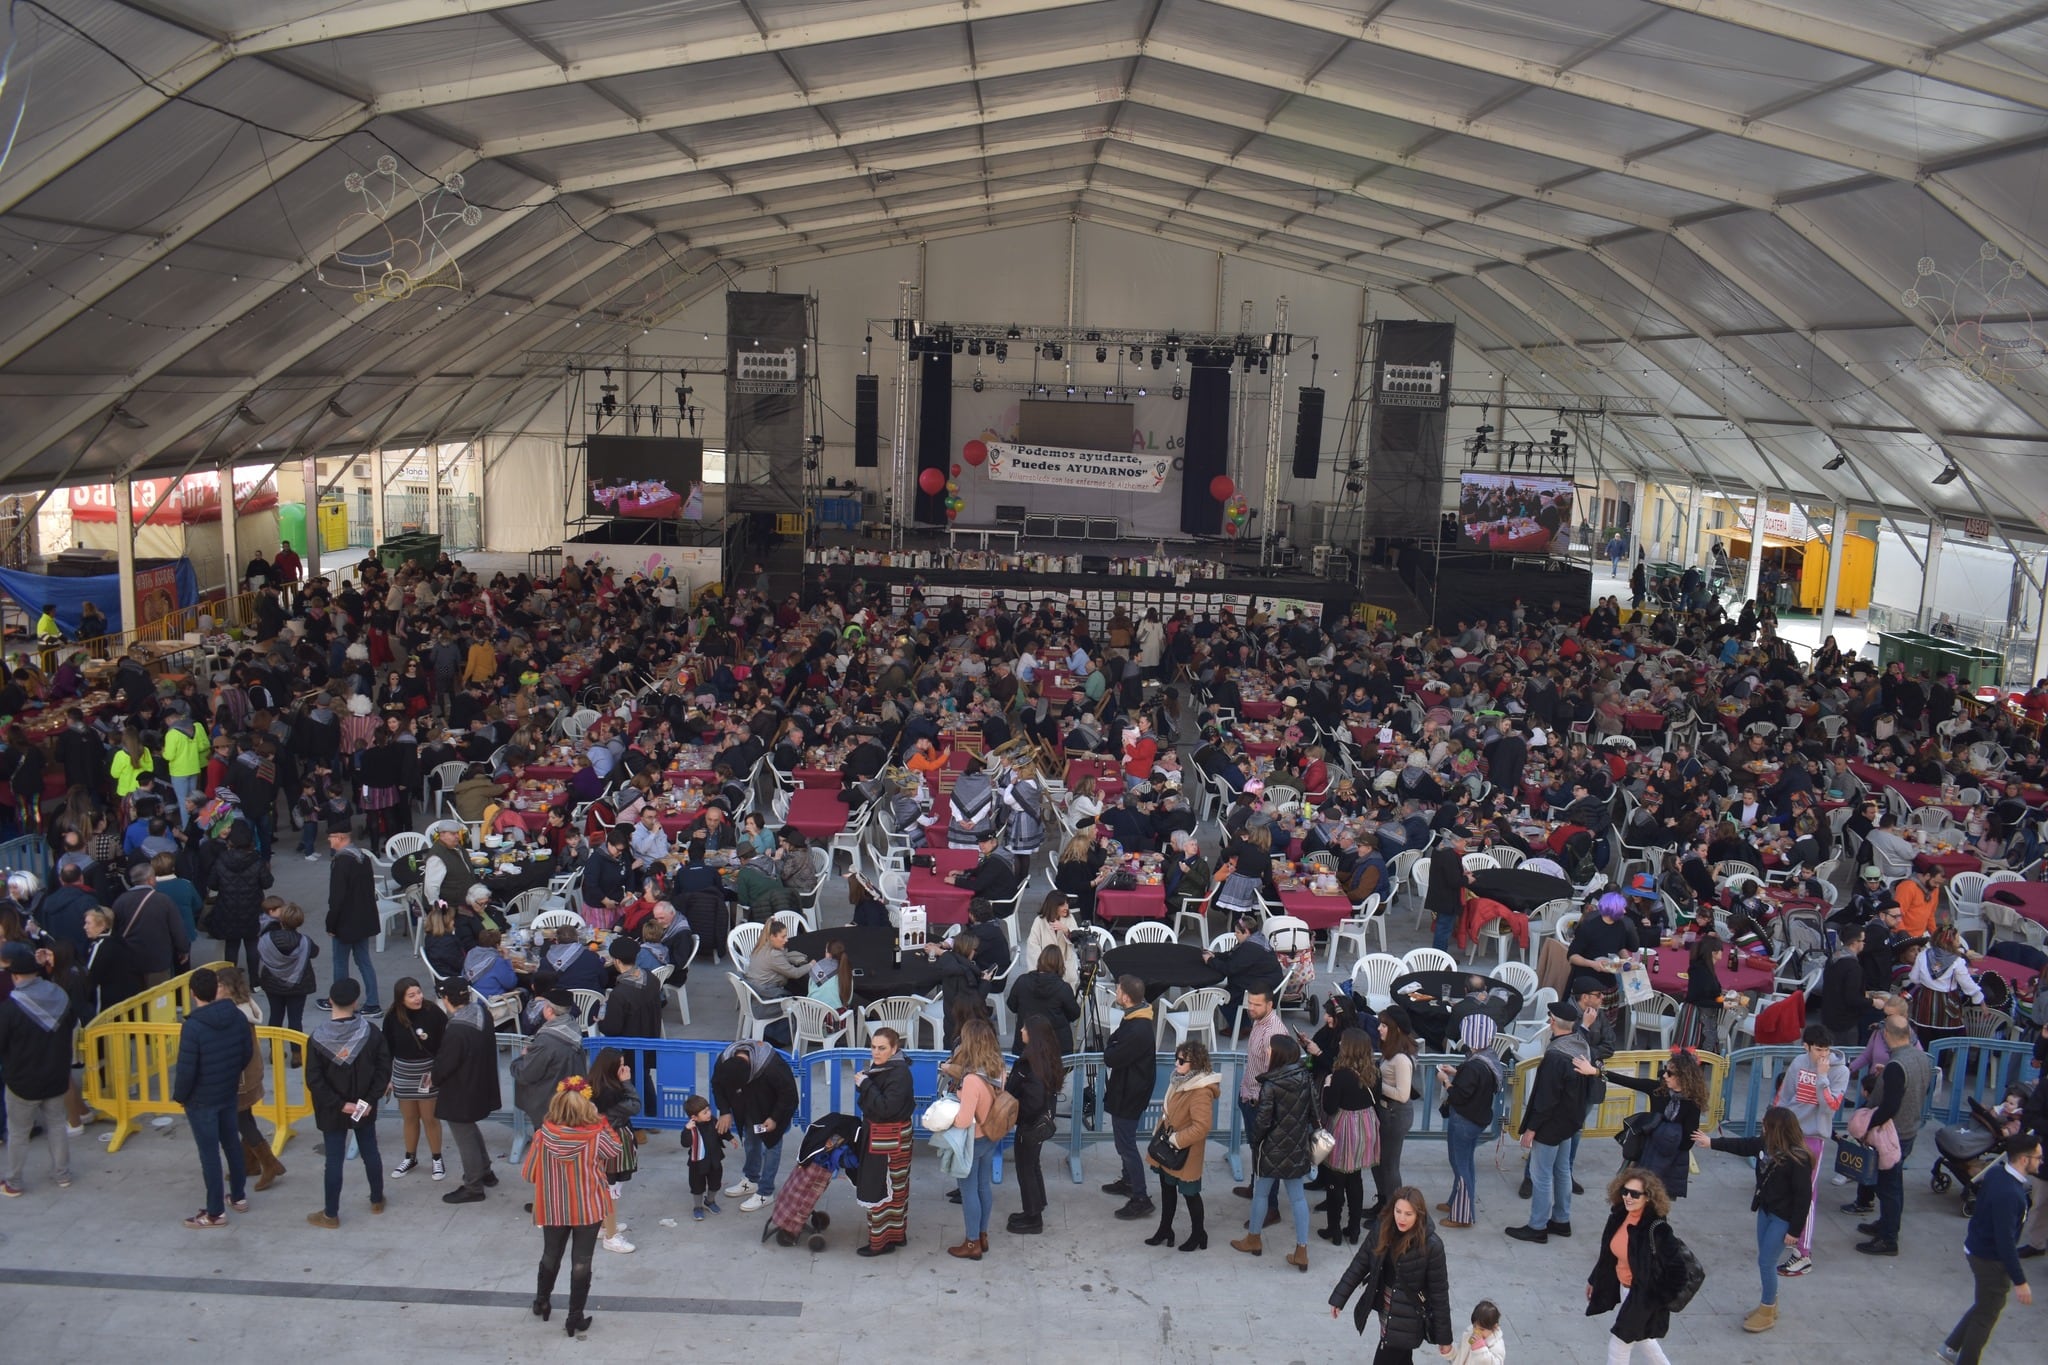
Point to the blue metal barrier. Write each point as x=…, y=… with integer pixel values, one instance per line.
x=682, y=1068
x=30, y=853
x=1429, y=1091
x=1979, y=1069
x=1754, y=1074
x=1082, y=1075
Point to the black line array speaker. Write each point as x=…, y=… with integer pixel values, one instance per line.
x=866, y=405
x=1308, y=434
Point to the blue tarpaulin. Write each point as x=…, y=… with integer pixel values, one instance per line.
x=32, y=591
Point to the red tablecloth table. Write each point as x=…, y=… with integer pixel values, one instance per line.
x=1261, y=748
x=1915, y=793
x=1668, y=973
x=1318, y=912
x=546, y=772
x=532, y=821
x=1651, y=721
x=1259, y=710
x=1950, y=863
x=1101, y=769
x=2015, y=975
x=943, y=902
x=942, y=815
x=2028, y=899
x=1143, y=902
x=819, y=814
x=808, y=778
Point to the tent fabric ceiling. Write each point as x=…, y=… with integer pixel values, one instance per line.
x=1710, y=208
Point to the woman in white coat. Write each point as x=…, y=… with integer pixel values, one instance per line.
x=1151, y=641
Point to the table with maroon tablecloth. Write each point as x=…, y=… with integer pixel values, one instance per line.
x=808, y=778
x=532, y=821
x=942, y=815
x=1101, y=769
x=1317, y=912
x=1259, y=710
x=1950, y=863
x=944, y=903
x=1647, y=720
x=1669, y=973
x=2016, y=974
x=819, y=814
x=1914, y=793
x=1141, y=902
x=2027, y=899
x=545, y=772
x=1261, y=748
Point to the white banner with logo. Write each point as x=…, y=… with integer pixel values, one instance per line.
x=1121, y=471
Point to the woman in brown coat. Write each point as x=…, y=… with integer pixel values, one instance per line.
x=1188, y=1114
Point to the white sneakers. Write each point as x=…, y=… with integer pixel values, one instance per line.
x=618, y=1244
x=756, y=1202
x=740, y=1188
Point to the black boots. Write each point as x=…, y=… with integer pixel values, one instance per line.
x=1198, y=1239
x=1168, y=1199
x=579, y=1294
x=543, y=1294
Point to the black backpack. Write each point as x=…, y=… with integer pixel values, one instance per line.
x=1695, y=1273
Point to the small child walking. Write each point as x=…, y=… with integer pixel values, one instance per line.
x=1483, y=1342
x=707, y=1156
x=306, y=812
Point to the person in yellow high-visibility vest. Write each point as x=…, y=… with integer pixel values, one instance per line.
x=49, y=635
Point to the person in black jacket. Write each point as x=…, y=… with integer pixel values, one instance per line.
x=1247, y=965
x=1044, y=992
x=1470, y=1094
x=756, y=1095
x=1843, y=1005
x=348, y=1068
x=1035, y=1082
x=887, y=1095
x=1281, y=1139
x=214, y=1044
x=1132, y=1060
x=633, y=1008
x=352, y=918
x=1552, y=1116
x=238, y=878
x=113, y=974
x=466, y=1077
x=1783, y=1198
x=1445, y=898
x=996, y=876
x=1639, y=1204
x=1402, y=1272
x=36, y=1023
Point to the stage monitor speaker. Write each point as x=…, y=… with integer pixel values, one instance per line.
x=1308, y=434
x=1041, y=527
x=1071, y=528
x=1010, y=514
x=866, y=405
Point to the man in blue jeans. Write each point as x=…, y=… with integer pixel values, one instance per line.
x=348, y=1069
x=1446, y=895
x=352, y=917
x=1901, y=1098
x=1553, y=1116
x=214, y=1045
x=1132, y=1059
x=756, y=1095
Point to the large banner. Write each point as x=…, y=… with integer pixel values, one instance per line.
x=1119, y=471
x=195, y=498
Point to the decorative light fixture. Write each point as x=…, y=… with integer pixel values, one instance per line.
x=1178, y=391
x=977, y=381
x=1101, y=354
x=128, y=419
x=1841, y=458
x=1948, y=475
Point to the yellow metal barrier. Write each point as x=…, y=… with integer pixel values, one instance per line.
x=130, y=1070
x=1372, y=617
x=131, y=1062
x=165, y=1004
x=1607, y=1117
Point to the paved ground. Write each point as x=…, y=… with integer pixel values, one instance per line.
x=112, y=1266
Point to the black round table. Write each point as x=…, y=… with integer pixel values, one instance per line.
x=1453, y=995
x=1519, y=890
x=878, y=972
x=1162, y=967
x=505, y=885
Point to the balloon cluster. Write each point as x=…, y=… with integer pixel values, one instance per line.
x=954, y=502
x=1237, y=514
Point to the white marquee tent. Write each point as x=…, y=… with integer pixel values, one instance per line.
x=1706, y=212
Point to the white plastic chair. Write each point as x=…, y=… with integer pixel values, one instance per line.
x=813, y=1025
x=1507, y=855
x=1478, y=862
x=1193, y=1015
x=1659, y=1016
x=796, y=921
x=402, y=843
x=1374, y=976
x=1370, y=919
x=1520, y=975
x=1194, y=914
x=523, y=908
x=900, y=1012
x=1536, y=1007
x=739, y=944
x=1418, y=878
x=547, y=921
x=1428, y=960
x=753, y=1023
x=589, y=1007
x=821, y=864
x=405, y=910
x=1149, y=931
x=1933, y=819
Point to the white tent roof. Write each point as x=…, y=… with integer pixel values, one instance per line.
x=1710, y=206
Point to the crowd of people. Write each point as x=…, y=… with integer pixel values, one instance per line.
x=1329, y=750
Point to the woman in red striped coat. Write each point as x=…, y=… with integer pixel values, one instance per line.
x=567, y=1161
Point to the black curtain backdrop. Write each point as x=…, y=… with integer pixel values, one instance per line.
x=934, y=431
x=1207, y=451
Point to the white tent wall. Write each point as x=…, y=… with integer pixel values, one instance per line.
x=1973, y=583
x=523, y=500
x=199, y=542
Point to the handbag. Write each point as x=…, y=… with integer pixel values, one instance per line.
x=628, y=1159
x=1856, y=1160
x=1634, y=1134
x=1635, y=983
x=1164, y=1154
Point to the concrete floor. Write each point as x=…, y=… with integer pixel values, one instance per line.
x=113, y=1267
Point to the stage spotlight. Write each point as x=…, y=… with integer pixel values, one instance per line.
x=1948, y=476
x=977, y=382
x=1070, y=390
x=1248, y=363
x=1002, y=351
x=1015, y=332
x=1264, y=364
x=958, y=345
x=1837, y=462
x=1101, y=354
x=1141, y=392
x=1179, y=392
x=1557, y=437
x=974, y=346
x=1158, y=357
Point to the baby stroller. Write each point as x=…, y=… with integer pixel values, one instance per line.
x=830, y=1147
x=1965, y=1150
x=1296, y=949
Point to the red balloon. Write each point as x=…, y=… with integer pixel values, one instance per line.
x=1229, y=528
x=974, y=452
x=1221, y=487
x=956, y=471
x=932, y=480
x=952, y=514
